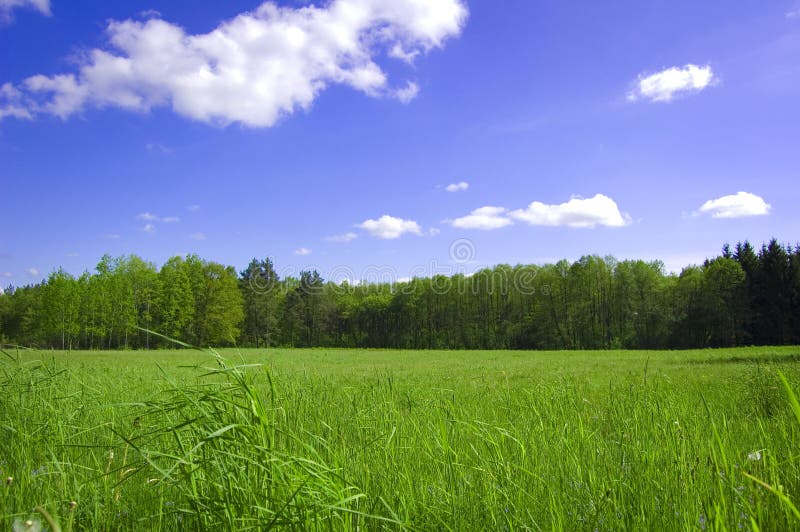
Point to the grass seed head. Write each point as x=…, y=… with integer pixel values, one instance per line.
x=9, y=481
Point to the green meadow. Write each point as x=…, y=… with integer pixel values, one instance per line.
x=339, y=439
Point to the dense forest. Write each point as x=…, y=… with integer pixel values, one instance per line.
x=742, y=297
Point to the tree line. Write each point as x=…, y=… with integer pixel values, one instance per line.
x=743, y=296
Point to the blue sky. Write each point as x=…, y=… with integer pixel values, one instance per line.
x=384, y=138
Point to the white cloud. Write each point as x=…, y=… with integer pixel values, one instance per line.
x=577, y=212
x=6, y=6
x=485, y=218
x=193, y=208
x=33, y=272
x=253, y=69
x=456, y=187
x=434, y=231
x=198, y=236
x=150, y=217
x=407, y=93
x=8, y=275
x=149, y=228
x=302, y=251
x=793, y=14
x=663, y=86
x=739, y=205
x=345, y=238
x=112, y=236
x=389, y=227
x=12, y=102
x=73, y=254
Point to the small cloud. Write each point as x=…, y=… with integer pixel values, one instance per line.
x=149, y=228
x=302, y=251
x=193, y=208
x=793, y=14
x=577, y=212
x=484, y=218
x=407, y=93
x=156, y=147
x=198, y=236
x=73, y=254
x=457, y=187
x=8, y=275
x=33, y=272
x=113, y=236
x=388, y=227
x=739, y=205
x=149, y=13
x=663, y=86
x=433, y=231
x=171, y=220
x=147, y=217
x=345, y=238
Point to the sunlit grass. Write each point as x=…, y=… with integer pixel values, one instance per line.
x=432, y=440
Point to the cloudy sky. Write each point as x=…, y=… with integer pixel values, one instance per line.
x=412, y=136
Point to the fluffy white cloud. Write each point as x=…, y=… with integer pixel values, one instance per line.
x=42, y=6
x=302, y=251
x=577, y=212
x=252, y=69
x=485, y=218
x=389, y=227
x=33, y=272
x=737, y=205
x=345, y=238
x=663, y=86
x=456, y=187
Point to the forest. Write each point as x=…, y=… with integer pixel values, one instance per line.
x=744, y=296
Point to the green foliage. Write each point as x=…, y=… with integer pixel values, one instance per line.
x=739, y=298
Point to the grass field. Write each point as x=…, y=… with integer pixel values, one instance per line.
x=423, y=440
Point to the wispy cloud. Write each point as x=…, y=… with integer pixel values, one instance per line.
x=193, y=208
x=739, y=205
x=7, y=6
x=252, y=69
x=388, y=227
x=149, y=228
x=457, y=187
x=146, y=217
x=8, y=275
x=113, y=236
x=198, y=236
x=663, y=86
x=344, y=238
x=32, y=272
x=302, y=251
x=157, y=147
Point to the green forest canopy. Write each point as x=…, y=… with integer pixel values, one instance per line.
x=742, y=297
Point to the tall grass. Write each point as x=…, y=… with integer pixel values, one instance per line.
x=101, y=445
